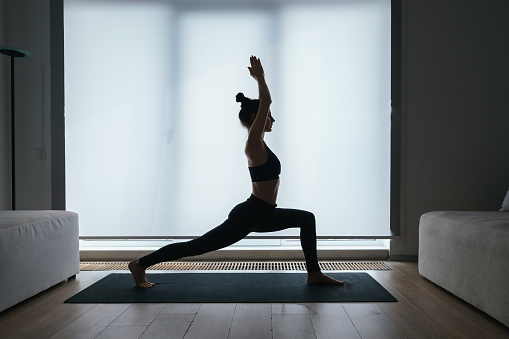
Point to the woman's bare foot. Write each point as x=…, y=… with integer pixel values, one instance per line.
x=318, y=278
x=138, y=273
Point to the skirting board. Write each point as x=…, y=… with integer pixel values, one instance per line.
x=238, y=254
x=403, y=257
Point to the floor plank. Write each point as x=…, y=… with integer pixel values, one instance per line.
x=292, y=321
x=477, y=316
x=181, y=308
x=36, y=307
x=173, y=321
x=123, y=332
x=138, y=315
x=371, y=322
x=93, y=322
x=169, y=325
x=330, y=320
x=292, y=326
x=448, y=319
x=281, y=308
x=251, y=321
x=407, y=318
x=52, y=322
x=211, y=321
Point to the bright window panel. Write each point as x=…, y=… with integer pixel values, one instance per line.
x=153, y=143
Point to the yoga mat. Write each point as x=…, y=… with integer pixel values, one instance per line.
x=232, y=288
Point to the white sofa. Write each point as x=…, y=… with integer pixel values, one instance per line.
x=467, y=253
x=39, y=249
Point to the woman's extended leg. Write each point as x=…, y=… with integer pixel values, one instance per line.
x=284, y=218
x=226, y=234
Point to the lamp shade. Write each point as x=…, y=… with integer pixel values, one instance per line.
x=14, y=52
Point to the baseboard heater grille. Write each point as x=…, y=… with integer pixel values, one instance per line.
x=239, y=266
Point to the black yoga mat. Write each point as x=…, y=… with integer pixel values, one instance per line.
x=231, y=288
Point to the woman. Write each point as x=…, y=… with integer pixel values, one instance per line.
x=258, y=213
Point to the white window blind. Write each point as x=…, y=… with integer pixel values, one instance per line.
x=153, y=143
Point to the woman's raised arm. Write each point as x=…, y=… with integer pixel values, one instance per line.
x=255, y=134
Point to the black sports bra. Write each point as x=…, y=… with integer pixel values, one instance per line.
x=268, y=171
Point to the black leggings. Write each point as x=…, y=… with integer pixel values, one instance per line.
x=252, y=215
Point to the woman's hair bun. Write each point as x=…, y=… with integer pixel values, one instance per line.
x=240, y=97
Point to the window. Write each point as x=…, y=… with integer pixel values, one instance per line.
x=153, y=143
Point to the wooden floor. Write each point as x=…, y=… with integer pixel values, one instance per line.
x=423, y=310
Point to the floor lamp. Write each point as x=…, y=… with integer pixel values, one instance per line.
x=13, y=53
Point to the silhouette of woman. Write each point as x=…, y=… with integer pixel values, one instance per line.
x=259, y=212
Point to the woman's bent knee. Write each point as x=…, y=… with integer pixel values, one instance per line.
x=310, y=218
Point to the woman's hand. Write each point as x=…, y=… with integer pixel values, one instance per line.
x=256, y=69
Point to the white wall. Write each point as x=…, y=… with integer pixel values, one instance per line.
x=457, y=106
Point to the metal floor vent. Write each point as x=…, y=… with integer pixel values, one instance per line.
x=239, y=266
